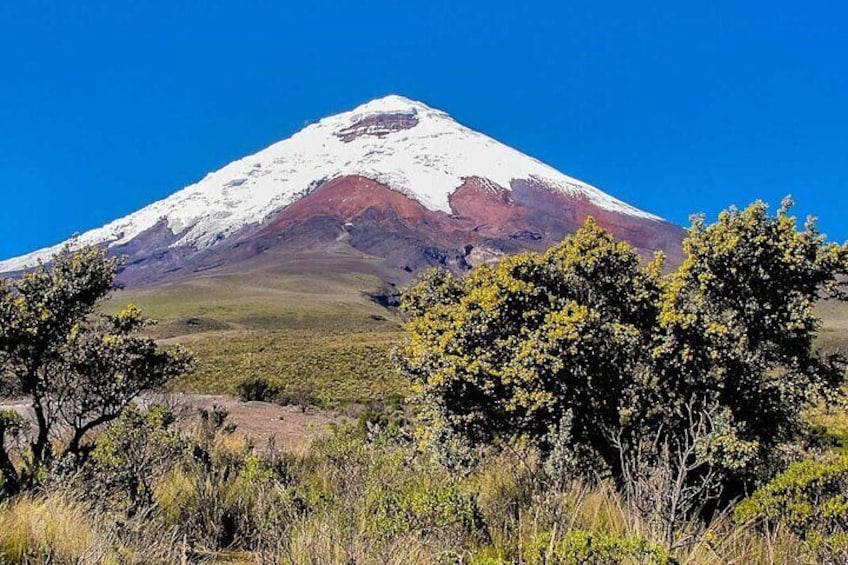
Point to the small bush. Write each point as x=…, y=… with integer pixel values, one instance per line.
x=810, y=498
x=257, y=389
x=302, y=397
x=130, y=455
x=586, y=548
x=426, y=506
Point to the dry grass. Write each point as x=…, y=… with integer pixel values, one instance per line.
x=347, y=488
x=51, y=529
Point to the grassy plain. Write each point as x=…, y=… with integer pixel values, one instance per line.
x=834, y=332
x=310, y=327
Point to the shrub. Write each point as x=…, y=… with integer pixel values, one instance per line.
x=131, y=455
x=516, y=348
x=810, y=497
x=580, y=547
x=425, y=506
x=372, y=498
x=257, y=389
x=302, y=396
x=77, y=367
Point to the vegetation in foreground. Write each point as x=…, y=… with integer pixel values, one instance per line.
x=366, y=494
x=569, y=407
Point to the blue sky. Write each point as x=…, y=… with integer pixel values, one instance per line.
x=675, y=107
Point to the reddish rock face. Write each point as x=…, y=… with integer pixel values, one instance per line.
x=353, y=212
x=346, y=198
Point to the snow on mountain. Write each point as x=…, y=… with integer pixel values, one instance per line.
x=405, y=145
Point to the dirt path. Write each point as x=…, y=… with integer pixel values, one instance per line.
x=292, y=428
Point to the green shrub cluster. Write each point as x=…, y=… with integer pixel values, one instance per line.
x=257, y=389
x=811, y=499
x=809, y=496
x=586, y=548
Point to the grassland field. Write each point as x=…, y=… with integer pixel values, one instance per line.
x=318, y=336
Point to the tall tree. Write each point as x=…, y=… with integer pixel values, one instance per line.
x=738, y=324
x=537, y=345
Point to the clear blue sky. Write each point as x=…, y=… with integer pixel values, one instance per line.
x=676, y=107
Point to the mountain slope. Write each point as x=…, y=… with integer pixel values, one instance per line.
x=392, y=178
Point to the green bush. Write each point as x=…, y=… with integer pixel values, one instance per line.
x=587, y=548
x=303, y=396
x=130, y=455
x=425, y=506
x=257, y=389
x=810, y=498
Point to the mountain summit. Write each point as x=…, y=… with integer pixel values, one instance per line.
x=392, y=178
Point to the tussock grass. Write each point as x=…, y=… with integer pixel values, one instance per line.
x=51, y=528
x=351, y=501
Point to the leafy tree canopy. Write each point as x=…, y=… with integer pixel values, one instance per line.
x=77, y=368
x=586, y=340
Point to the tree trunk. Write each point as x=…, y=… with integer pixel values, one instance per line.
x=41, y=444
x=75, y=445
x=11, y=479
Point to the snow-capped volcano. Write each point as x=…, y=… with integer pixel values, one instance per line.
x=393, y=143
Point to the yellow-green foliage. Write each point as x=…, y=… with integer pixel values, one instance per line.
x=55, y=343
x=421, y=505
x=580, y=547
x=513, y=348
x=567, y=346
x=809, y=497
x=129, y=456
x=739, y=317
